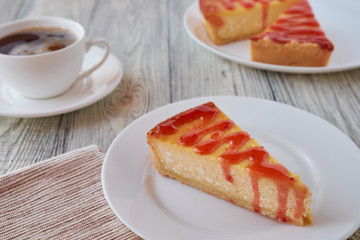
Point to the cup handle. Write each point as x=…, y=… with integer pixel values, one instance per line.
x=89, y=44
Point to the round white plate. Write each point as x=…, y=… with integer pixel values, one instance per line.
x=99, y=84
x=339, y=19
x=156, y=207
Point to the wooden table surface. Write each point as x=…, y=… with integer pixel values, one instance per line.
x=162, y=64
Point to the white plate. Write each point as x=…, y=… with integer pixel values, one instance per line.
x=339, y=19
x=99, y=84
x=156, y=207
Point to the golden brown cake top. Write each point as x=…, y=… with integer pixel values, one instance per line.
x=207, y=123
x=297, y=24
x=211, y=8
x=215, y=6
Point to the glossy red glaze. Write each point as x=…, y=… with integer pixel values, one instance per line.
x=299, y=24
x=258, y=166
x=195, y=135
x=206, y=113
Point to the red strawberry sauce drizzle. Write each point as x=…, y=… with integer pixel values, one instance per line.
x=258, y=166
x=298, y=24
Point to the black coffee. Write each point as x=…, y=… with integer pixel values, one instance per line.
x=36, y=41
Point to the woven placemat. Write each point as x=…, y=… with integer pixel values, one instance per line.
x=59, y=198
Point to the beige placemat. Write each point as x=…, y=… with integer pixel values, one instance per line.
x=59, y=198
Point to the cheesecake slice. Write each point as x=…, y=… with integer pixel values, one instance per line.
x=203, y=148
x=295, y=39
x=230, y=20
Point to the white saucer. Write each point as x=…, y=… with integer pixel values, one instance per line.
x=98, y=85
x=341, y=29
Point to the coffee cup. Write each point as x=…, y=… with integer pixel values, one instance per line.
x=44, y=71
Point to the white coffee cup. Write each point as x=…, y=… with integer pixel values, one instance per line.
x=52, y=73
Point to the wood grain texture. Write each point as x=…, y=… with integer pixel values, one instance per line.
x=162, y=64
